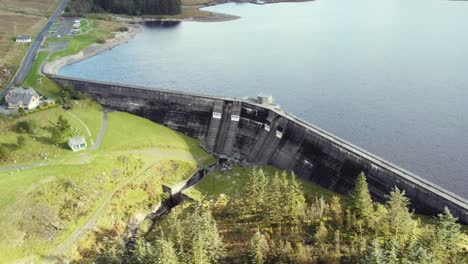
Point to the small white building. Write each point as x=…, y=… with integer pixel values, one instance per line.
x=23, y=39
x=77, y=143
x=265, y=99
x=26, y=98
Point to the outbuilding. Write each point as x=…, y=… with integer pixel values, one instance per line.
x=23, y=39
x=77, y=143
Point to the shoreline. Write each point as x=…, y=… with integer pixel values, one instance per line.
x=53, y=67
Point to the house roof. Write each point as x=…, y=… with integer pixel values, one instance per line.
x=23, y=37
x=77, y=141
x=21, y=95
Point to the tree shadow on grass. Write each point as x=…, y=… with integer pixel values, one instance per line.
x=10, y=146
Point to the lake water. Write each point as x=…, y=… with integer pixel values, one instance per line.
x=388, y=76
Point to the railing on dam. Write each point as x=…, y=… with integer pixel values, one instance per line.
x=422, y=191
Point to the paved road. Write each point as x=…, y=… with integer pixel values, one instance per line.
x=100, y=137
x=33, y=50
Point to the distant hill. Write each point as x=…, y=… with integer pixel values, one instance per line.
x=128, y=7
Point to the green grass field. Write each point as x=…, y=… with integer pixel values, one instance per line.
x=43, y=208
x=39, y=143
x=44, y=86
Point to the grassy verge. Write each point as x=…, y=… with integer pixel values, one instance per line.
x=229, y=183
x=45, y=86
x=196, y=2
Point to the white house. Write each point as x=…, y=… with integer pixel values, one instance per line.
x=77, y=143
x=26, y=98
x=23, y=39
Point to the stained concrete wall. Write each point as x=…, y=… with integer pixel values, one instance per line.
x=262, y=134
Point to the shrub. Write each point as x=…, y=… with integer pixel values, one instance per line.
x=21, y=141
x=21, y=111
x=100, y=41
x=26, y=126
x=122, y=29
x=3, y=152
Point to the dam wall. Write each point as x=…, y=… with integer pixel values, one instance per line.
x=263, y=134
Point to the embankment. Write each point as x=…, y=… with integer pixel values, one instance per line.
x=263, y=134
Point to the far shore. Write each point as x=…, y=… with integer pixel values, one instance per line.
x=54, y=67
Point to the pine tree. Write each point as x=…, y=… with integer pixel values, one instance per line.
x=166, y=253
x=302, y=254
x=144, y=252
x=336, y=255
x=376, y=254
x=403, y=228
x=256, y=194
x=199, y=253
x=336, y=211
x=321, y=234
x=275, y=202
x=445, y=243
x=295, y=197
x=392, y=252
x=361, y=199
x=259, y=248
x=212, y=240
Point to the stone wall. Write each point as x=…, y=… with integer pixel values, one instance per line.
x=262, y=134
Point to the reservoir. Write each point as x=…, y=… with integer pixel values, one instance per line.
x=390, y=76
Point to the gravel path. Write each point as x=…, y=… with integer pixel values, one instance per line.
x=81, y=121
x=100, y=137
x=20, y=167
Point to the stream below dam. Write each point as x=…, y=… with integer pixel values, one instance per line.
x=388, y=76
x=175, y=197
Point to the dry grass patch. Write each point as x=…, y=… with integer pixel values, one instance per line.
x=10, y=51
x=40, y=7
x=29, y=17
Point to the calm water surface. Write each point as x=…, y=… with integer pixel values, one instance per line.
x=389, y=76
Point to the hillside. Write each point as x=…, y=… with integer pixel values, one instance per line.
x=53, y=200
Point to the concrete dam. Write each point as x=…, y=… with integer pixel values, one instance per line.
x=263, y=134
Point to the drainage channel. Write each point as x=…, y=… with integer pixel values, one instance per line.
x=176, y=197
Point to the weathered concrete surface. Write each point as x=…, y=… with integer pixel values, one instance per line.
x=265, y=135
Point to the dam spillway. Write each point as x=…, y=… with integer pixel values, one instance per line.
x=263, y=134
